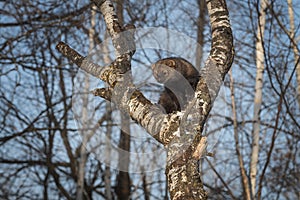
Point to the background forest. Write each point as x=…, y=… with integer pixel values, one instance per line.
x=58, y=141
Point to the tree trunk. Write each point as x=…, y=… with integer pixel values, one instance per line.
x=107, y=172
x=294, y=46
x=85, y=134
x=123, y=178
x=180, y=132
x=200, y=32
x=258, y=94
x=245, y=182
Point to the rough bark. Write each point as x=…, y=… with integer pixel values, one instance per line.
x=182, y=167
x=258, y=94
x=180, y=132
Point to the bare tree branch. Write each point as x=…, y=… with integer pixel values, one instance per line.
x=180, y=132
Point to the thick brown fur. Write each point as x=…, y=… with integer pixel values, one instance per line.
x=180, y=80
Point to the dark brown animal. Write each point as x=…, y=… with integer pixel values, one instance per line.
x=180, y=80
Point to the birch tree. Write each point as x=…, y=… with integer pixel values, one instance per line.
x=179, y=132
x=42, y=148
x=244, y=177
x=294, y=46
x=200, y=32
x=258, y=93
x=86, y=133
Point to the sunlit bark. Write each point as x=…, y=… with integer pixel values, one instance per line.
x=294, y=46
x=182, y=137
x=258, y=94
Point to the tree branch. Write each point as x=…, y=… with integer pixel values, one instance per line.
x=180, y=132
x=162, y=127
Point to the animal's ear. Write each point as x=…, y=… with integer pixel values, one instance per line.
x=171, y=63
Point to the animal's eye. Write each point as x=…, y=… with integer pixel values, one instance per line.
x=165, y=73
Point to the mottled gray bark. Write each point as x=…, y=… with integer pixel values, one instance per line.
x=179, y=132
x=182, y=167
